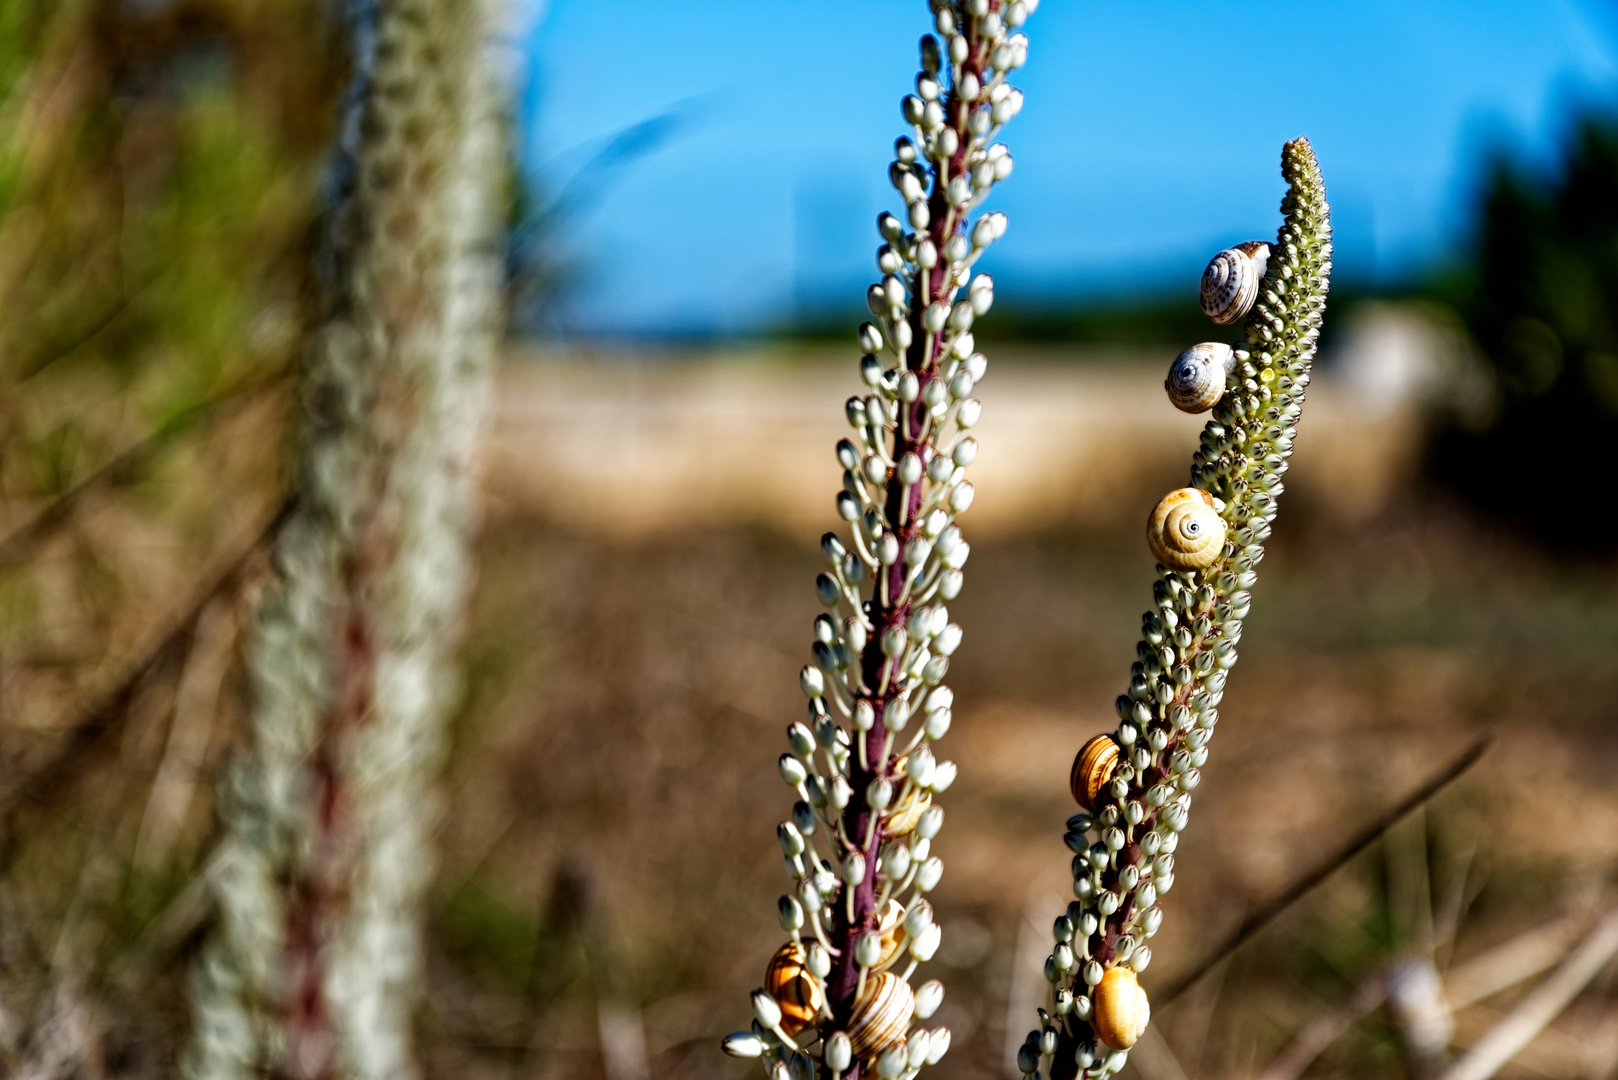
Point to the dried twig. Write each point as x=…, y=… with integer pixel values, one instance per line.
x=18, y=545
x=1542, y=1004
x=105, y=714
x=1300, y=888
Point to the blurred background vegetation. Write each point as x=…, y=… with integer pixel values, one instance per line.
x=605, y=900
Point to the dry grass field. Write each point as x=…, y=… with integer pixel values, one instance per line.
x=609, y=872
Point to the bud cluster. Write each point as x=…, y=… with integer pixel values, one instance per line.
x=838, y=1001
x=1124, y=844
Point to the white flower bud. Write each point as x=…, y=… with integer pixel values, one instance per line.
x=916, y=1049
x=919, y=918
x=841, y=792
x=919, y=215
x=921, y=766
x=948, y=641
x=790, y=912
x=911, y=108
x=870, y=338
x=925, y=944
x=931, y=821
x=792, y=770
x=743, y=1044
x=868, y=950
x=909, y=468
x=958, y=191
x=864, y=715
x=943, y=776
x=937, y=725
x=811, y=682
x=949, y=584
x=891, y=1063
x=935, y=317
x=961, y=315
x=895, y=862
x=878, y=794
x=853, y=868
x=966, y=452
x=839, y=1052
x=766, y=1009
x=896, y=714
x=791, y=839
x=959, y=500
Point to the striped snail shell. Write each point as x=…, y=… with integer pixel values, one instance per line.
x=1121, y=1009
x=1185, y=532
x=891, y=931
x=1230, y=283
x=1197, y=377
x=881, y=1014
x=1092, y=771
x=794, y=988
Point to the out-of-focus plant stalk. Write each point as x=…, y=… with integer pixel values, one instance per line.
x=316, y=966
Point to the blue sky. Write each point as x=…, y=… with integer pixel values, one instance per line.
x=1150, y=139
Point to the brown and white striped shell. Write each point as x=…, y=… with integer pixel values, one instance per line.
x=881, y=1014
x=1230, y=283
x=1185, y=532
x=1092, y=771
x=891, y=932
x=1121, y=1009
x=798, y=992
x=1197, y=377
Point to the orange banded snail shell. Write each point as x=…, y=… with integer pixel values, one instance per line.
x=1230, y=283
x=1092, y=771
x=881, y=1015
x=797, y=991
x=1185, y=532
x=1121, y=1009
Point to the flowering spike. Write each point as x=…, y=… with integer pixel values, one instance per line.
x=883, y=649
x=1190, y=636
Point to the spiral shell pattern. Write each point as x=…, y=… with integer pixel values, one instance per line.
x=881, y=1015
x=794, y=989
x=1121, y=1009
x=1185, y=532
x=1230, y=283
x=1197, y=377
x=1092, y=771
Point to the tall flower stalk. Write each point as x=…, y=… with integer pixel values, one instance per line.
x=1135, y=785
x=837, y=1000
x=316, y=966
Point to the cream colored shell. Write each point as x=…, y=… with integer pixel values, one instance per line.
x=891, y=932
x=881, y=1015
x=794, y=988
x=1185, y=532
x=1121, y=1009
x=1231, y=281
x=1092, y=771
x=1197, y=377
x=902, y=818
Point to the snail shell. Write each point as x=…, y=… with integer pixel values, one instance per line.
x=1230, y=283
x=1121, y=1009
x=881, y=1014
x=891, y=931
x=1197, y=377
x=905, y=815
x=1185, y=532
x=798, y=992
x=1092, y=770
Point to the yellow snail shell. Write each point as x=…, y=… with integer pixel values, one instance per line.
x=1230, y=283
x=1197, y=377
x=1185, y=532
x=891, y=932
x=881, y=1015
x=1092, y=771
x=903, y=817
x=798, y=992
x=1121, y=1009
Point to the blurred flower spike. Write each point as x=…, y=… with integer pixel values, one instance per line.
x=838, y=1000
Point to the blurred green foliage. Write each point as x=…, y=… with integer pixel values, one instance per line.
x=1540, y=299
